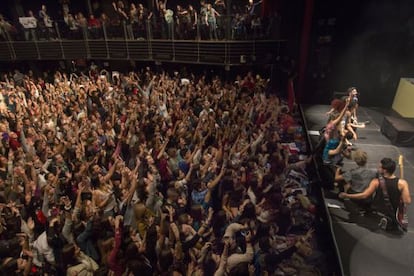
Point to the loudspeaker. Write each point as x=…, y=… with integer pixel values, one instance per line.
x=400, y=132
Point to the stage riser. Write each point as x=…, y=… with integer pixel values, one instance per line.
x=398, y=131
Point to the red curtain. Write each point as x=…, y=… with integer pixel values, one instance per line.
x=290, y=94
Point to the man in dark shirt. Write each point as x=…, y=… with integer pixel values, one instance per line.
x=397, y=190
x=220, y=7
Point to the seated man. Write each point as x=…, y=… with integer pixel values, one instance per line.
x=356, y=180
x=396, y=190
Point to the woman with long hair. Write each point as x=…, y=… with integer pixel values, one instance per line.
x=75, y=262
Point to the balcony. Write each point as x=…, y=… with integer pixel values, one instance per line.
x=121, y=43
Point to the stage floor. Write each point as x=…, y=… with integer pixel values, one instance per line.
x=363, y=248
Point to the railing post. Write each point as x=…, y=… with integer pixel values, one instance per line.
x=229, y=26
x=253, y=57
x=198, y=39
x=85, y=33
x=126, y=33
x=37, y=50
x=149, y=28
x=226, y=54
x=60, y=39
x=198, y=50
x=10, y=44
x=86, y=40
x=8, y=37
x=173, y=40
x=198, y=30
x=57, y=30
x=33, y=33
x=125, y=29
x=105, y=39
x=149, y=38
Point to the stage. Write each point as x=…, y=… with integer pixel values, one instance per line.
x=363, y=248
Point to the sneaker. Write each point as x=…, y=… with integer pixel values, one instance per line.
x=367, y=122
x=383, y=224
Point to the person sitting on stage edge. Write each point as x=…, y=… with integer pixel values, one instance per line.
x=353, y=105
x=396, y=188
x=356, y=180
x=331, y=147
x=334, y=139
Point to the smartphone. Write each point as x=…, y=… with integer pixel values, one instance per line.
x=86, y=196
x=244, y=232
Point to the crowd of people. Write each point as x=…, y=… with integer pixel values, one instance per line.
x=365, y=191
x=149, y=173
x=158, y=19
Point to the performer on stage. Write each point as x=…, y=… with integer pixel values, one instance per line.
x=395, y=189
x=356, y=180
x=353, y=105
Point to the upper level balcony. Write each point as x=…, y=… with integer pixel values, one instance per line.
x=233, y=46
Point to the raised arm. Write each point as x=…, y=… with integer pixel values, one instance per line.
x=112, y=260
x=405, y=191
x=216, y=180
x=223, y=260
x=134, y=181
x=339, y=148
x=366, y=193
x=341, y=115
x=111, y=171
x=163, y=147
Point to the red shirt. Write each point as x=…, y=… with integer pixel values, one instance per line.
x=115, y=265
x=14, y=142
x=94, y=23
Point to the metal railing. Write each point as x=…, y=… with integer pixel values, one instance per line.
x=131, y=42
x=232, y=27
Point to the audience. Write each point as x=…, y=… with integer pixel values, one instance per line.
x=151, y=174
x=210, y=20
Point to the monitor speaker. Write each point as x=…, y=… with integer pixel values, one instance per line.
x=398, y=131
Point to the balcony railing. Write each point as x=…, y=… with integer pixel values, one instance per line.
x=128, y=42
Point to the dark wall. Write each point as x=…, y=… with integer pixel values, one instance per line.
x=371, y=48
